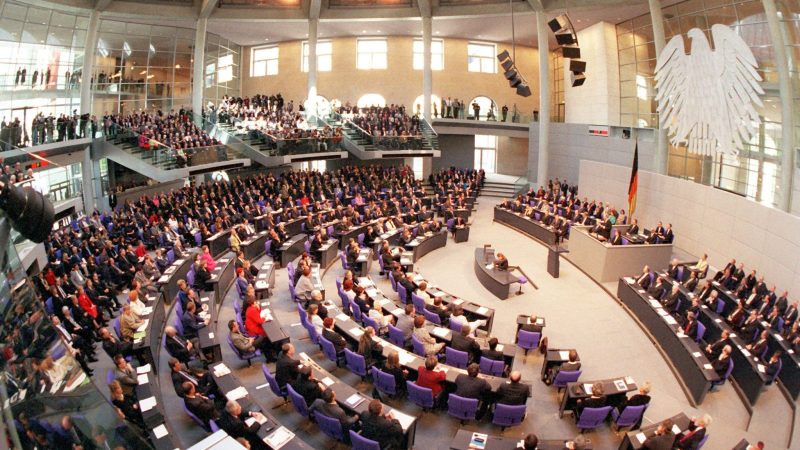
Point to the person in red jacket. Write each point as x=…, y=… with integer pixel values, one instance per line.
x=253, y=318
x=86, y=304
x=430, y=378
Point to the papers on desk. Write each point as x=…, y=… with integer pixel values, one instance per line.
x=397, y=312
x=220, y=370
x=761, y=368
x=439, y=294
x=341, y=317
x=707, y=366
x=163, y=279
x=371, y=291
x=477, y=441
x=670, y=320
x=266, y=314
x=654, y=303
x=278, y=438
x=204, y=299
x=142, y=379
x=697, y=354
x=147, y=310
x=211, y=335
x=563, y=354
x=641, y=291
x=661, y=311
x=439, y=331
x=327, y=381
x=357, y=332
x=489, y=266
x=405, y=358
x=355, y=400
x=404, y=419
x=418, y=278
x=262, y=276
x=170, y=269
x=641, y=437
x=621, y=385
x=482, y=310
x=587, y=387
x=144, y=325
x=500, y=347
x=629, y=280
x=160, y=431
x=676, y=429
x=629, y=380
x=143, y=369
x=745, y=352
x=262, y=285
x=385, y=302
x=778, y=337
x=458, y=301
x=147, y=404
x=236, y=394
x=139, y=335
x=364, y=282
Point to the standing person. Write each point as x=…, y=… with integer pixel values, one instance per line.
x=476, y=110
x=505, y=112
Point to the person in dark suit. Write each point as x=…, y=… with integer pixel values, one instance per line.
x=232, y=420
x=383, y=428
x=199, y=405
x=531, y=325
x=192, y=323
x=690, y=439
x=773, y=365
x=328, y=332
x=645, y=278
x=720, y=365
x=691, y=283
x=178, y=347
x=642, y=398
x=438, y=308
x=114, y=346
x=616, y=238
x=327, y=406
x=571, y=365
x=307, y=386
x=690, y=329
x=462, y=341
x=202, y=381
x=501, y=262
x=715, y=349
x=596, y=400
x=470, y=386
x=670, y=302
x=286, y=368
x=492, y=352
x=658, y=289
x=758, y=347
x=513, y=392
x=662, y=439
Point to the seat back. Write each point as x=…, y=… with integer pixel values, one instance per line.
x=491, y=367
x=312, y=333
x=777, y=372
x=109, y=376
x=431, y=317
x=213, y=425
x=450, y=224
x=370, y=322
x=344, y=261
x=462, y=408
x=273, y=382
x=421, y=396
x=701, y=331
x=328, y=349
x=566, y=376
x=396, y=336
x=384, y=382
x=401, y=292
x=456, y=358
x=720, y=306
x=178, y=325
x=345, y=301
x=702, y=441
x=268, y=247
x=419, y=347
x=630, y=416
x=418, y=302
x=455, y=325
x=357, y=316
x=393, y=281
x=117, y=329
x=330, y=426
x=508, y=415
x=307, y=246
x=170, y=256
x=195, y=418
x=298, y=401
x=528, y=340
x=593, y=417
x=359, y=442
x=360, y=239
x=355, y=362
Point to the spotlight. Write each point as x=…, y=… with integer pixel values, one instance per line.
x=30, y=213
x=571, y=52
x=558, y=24
x=502, y=56
x=507, y=64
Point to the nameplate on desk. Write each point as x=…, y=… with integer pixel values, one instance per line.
x=169, y=270
x=147, y=404
x=163, y=279
x=160, y=431
x=482, y=310
x=357, y=332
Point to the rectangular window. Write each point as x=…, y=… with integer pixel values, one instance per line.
x=210, y=69
x=416, y=167
x=371, y=54
x=225, y=69
x=437, y=54
x=481, y=58
x=485, y=152
x=319, y=165
x=324, y=56
x=264, y=61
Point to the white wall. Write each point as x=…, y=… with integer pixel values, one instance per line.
x=597, y=101
x=706, y=220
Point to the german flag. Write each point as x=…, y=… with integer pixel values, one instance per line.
x=634, y=184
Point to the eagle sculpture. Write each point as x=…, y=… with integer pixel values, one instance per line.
x=707, y=99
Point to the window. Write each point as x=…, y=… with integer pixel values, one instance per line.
x=368, y=100
x=416, y=167
x=324, y=56
x=437, y=54
x=481, y=58
x=436, y=102
x=487, y=108
x=319, y=166
x=210, y=69
x=264, y=61
x=371, y=54
x=485, y=152
x=225, y=69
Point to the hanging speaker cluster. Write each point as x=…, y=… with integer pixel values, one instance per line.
x=567, y=40
x=513, y=76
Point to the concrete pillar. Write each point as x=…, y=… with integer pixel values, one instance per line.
x=657, y=18
x=427, y=72
x=90, y=48
x=89, y=178
x=787, y=106
x=544, y=101
x=312, y=57
x=198, y=77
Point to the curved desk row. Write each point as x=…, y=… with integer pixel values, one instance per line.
x=472, y=311
x=532, y=228
x=498, y=282
x=634, y=440
x=253, y=247
x=686, y=356
x=168, y=282
x=466, y=440
x=422, y=245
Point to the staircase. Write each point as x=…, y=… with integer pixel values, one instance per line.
x=499, y=189
x=360, y=143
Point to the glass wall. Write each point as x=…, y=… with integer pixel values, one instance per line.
x=41, y=56
x=557, y=103
x=222, y=68
x=756, y=171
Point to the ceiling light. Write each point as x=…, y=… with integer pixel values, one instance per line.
x=143, y=72
x=266, y=39
x=177, y=66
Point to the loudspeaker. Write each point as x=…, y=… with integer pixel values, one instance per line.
x=523, y=90
x=502, y=56
x=576, y=65
x=571, y=52
x=577, y=79
x=508, y=64
x=558, y=23
x=565, y=38
x=510, y=74
x=515, y=82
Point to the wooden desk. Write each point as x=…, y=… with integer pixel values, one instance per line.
x=422, y=245
x=253, y=247
x=555, y=357
x=219, y=242
x=461, y=234
x=291, y=249
x=532, y=228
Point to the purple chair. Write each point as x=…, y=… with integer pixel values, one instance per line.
x=344, y=261
x=566, y=376
x=396, y=336
x=178, y=324
x=198, y=239
x=312, y=333
x=528, y=340
x=384, y=382
x=462, y=408
x=48, y=306
x=117, y=329
x=360, y=239
x=631, y=417
x=401, y=293
x=492, y=367
x=370, y=322
x=720, y=306
x=339, y=284
x=418, y=302
x=197, y=419
x=701, y=331
x=345, y=302
x=521, y=280
x=725, y=376
x=355, y=363
x=455, y=325
x=591, y=418
x=702, y=442
x=303, y=314
x=419, y=347
x=190, y=277
x=361, y=443
x=508, y=415
x=450, y=224
x=329, y=350
x=421, y=396
x=214, y=426
x=330, y=231
x=273, y=385
x=330, y=426
x=298, y=401
x=268, y=248
x=109, y=376
x=393, y=281
x=170, y=256
x=456, y=358
x=432, y=317
x=307, y=246
x=357, y=316
x=244, y=356
x=293, y=293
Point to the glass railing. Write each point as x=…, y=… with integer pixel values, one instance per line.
x=44, y=388
x=521, y=185
x=497, y=116
x=296, y=146
x=15, y=135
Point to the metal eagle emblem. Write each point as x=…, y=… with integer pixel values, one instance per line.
x=707, y=99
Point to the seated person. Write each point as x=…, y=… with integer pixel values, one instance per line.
x=371, y=350
x=199, y=405
x=247, y=344
x=690, y=438
x=531, y=442
x=531, y=325
x=232, y=420
x=383, y=428
x=642, y=398
x=572, y=364
x=458, y=316
x=192, y=322
x=421, y=333
x=286, y=368
x=596, y=400
x=180, y=374
x=327, y=406
x=470, y=386
x=720, y=364
x=438, y=308
x=514, y=392
x=307, y=386
x=430, y=378
x=663, y=438
x=501, y=263
x=393, y=367
x=462, y=341
x=329, y=333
